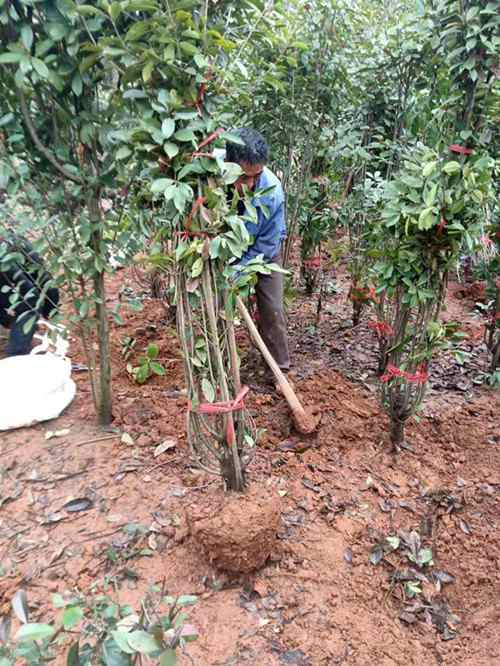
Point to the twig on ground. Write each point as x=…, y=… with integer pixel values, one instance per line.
x=97, y=439
x=59, y=478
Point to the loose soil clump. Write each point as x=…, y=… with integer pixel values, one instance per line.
x=240, y=534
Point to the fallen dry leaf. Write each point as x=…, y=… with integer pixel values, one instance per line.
x=57, y=433
x=166, y=445
x=127, y=439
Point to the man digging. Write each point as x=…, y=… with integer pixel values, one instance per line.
x=268, y=234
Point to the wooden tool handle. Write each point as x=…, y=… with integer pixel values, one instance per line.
x=284, y=384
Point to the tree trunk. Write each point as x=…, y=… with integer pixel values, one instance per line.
x=231, y=467
x=104, y=414
x=397, y=433
x=493, y=341
x=357, y=309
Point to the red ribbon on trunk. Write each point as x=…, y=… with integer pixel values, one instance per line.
x=420, y=377
x=461, y=150
x=225, y=407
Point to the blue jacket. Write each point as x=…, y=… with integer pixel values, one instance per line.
x=270, y=231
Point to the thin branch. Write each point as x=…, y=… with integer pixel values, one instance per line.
x=36, y=140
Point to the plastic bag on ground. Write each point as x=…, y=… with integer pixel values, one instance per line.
x=36, y=387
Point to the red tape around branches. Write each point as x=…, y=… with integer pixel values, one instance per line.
x=420, y=377
x=381, y=328
x=461, y=150
x=363, y=295
x=312, y=264
x=227, y=407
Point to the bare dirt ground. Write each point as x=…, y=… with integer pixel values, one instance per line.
x=319, y=600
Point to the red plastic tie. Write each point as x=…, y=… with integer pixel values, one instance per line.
x=420, y=377
x=363, y=295
x=381, y=328
x=227, y=407
x=313, y=263
x=461, y=150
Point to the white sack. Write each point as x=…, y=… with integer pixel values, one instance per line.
x=36, y=387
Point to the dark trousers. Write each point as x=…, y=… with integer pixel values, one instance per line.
x=272, y=322
x=20, y=341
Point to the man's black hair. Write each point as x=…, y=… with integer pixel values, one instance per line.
x=253, y=152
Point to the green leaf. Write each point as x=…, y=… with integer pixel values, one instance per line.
x=40, y=67
x=73, y=658
x=72, y=616
x=168, y=658
x=430, y=195
x=115, y=10
x=152, y=351
x=143, y=642
x=121, y=639
x=171, y=149
x=58, y=601
x=161, y=184
x=133, y=93
x=10, y=57
x=113, y=655
x=188, y=599
x=451, y=167
x=158, y=369
x=147, y=70
x=189, y=168
x=168, y=128
x=412, y=589
x=232, y=138
x=200, y=61
x=231, y=172
x=57, y=30
x=426, y=219
x=425, y=556
x=27, y=37
x=123, y=152
x=197, y=268
x=141, y=374
x=215, y=245
x=186, y=115
x=411, y=181
x=29, y=325
x=137, y=30
x=169, y=53
x=393, y=542
x=185, y=135
x=35, y=632
x=77, y=84
x=188, y=48
x=89, y=10
x=87, y=62
x=208, y=390
x=428, y=169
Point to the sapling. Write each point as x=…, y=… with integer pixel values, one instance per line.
x=432, y=209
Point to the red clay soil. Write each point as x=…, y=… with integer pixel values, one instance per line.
x=318, y=600
x=237, y=532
